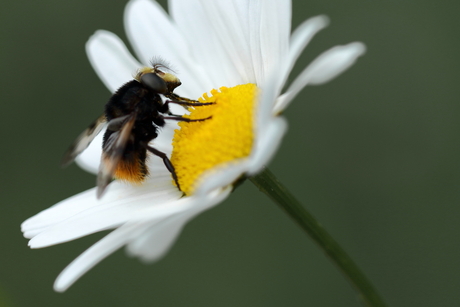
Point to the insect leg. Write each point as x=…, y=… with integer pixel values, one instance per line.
x=185, y=101
x=184, y=119
x=191, y=103
x=166, y=161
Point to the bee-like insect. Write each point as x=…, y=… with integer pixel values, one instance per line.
x=133, y=116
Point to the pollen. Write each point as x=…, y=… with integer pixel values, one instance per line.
x=226, y=136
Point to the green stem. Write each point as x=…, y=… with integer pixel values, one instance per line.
x=267, y=183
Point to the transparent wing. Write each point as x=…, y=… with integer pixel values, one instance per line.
x=112, y=152
x=83, y=140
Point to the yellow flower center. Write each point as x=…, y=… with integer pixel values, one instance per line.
x=228, y=135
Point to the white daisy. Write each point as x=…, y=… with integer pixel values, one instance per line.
x=242, y=48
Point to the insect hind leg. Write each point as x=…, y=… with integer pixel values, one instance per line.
x=167, y=163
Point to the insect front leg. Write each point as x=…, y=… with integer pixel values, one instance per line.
x=165, y=107
x=184, y=119
x=185, y=102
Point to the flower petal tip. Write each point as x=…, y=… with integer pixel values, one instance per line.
x=358, y=48
x=27, y=235
x=322, y=21
x=40, y=241
x=98, y=34
x=59, y=286
x=32, y=245
x=333, y=62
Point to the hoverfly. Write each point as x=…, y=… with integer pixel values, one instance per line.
x=133, y=116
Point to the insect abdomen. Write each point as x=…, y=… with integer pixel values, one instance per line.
x=132, y=168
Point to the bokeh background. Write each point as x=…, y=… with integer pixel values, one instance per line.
x=373, y=154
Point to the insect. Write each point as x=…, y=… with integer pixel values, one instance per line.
x=133, y=116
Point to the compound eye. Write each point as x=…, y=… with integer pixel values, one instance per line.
x=154, y=82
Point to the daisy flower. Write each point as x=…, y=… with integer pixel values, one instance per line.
x=236, y=53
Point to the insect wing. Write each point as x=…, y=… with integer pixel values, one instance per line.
x=83, y=140
x=112, y=152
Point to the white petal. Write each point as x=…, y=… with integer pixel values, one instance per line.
x=95, y=254
x=153, y=34
x=157, y=240
x=324, y=68
x=90, y=158
x=303, y=34
x=164, y=140
x=267, y=145
x=204, y=41
x=150, y=29
x=111, y=59
x=149, y=235
x=267, y=98
x=57, y=213
x=221, y=176
x=83, y=214
x=333, y=62
x=299, y=39
x=229, y=24
x=268, y=130
x=270, y=27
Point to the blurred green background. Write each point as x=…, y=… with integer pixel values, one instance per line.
x=373, y=154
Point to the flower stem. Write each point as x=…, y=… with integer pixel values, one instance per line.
x=268, y=184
